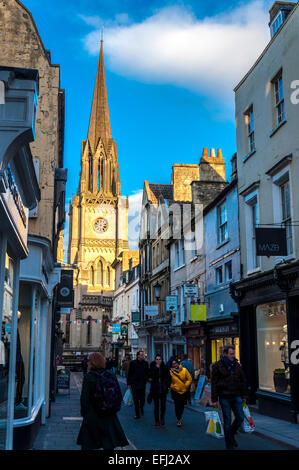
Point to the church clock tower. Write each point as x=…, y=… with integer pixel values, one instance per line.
x=98, y=228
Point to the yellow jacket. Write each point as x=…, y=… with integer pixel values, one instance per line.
x=180, y=381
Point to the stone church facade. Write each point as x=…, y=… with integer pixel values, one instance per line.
x=98, y=230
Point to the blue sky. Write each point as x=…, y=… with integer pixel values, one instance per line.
x=170, y=71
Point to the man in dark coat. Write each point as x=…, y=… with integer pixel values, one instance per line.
x=97, y=431
x=160, y=382
x=137, y=377
x=228, y=384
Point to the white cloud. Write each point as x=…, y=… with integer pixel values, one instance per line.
x=135, y=205
x=208, y=55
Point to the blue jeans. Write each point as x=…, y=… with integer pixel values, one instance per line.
x=229, y=404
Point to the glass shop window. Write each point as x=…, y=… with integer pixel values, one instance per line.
x=273, y=348
x=5, y=345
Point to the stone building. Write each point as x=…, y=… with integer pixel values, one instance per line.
x=98, y=230
x=268, y=176
x=22, y=46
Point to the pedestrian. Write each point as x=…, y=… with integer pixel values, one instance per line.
x=180, y=383
x=126, y=366
x=98, y=431
x=187, y=363
x=84, y=364
x=160, y=382
x=172, y=358
x=137, y=377
x=228, y=384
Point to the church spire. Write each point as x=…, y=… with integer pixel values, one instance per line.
x=99, y=124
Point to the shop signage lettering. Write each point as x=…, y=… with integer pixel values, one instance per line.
x=190, y=290
x=271, y=241
x=151, y=310
x=116, y=328
x=16, y=197
x=171, y=303
x=295, y=354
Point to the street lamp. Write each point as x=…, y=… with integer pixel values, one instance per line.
x=157, y=289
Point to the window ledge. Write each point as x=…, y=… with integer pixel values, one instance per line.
x=222, y=244
x=249, y=155
x=193, y=259
x=254, y=271
x=279, y=259
x=277, y=128
x=180, y=267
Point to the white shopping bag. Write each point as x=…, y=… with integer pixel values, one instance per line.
x=248, y=424
x=214, y=426
x=128, y=399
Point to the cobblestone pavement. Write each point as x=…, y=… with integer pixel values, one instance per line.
x=61, y=429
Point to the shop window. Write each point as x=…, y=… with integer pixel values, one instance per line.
x=273, y=354
x=5, y=343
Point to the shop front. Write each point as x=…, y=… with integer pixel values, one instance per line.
x=196, y=347
x=19, y=193
x=269, y=334
x=219, y=334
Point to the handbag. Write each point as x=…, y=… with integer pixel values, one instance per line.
x=248, y=424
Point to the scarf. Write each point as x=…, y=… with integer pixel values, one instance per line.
x=230, y=365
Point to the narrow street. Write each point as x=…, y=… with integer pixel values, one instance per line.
x=61, y=429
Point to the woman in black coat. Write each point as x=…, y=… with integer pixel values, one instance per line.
x=160, y=383
x=97, y=432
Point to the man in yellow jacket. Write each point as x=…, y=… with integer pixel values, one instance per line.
x=180, y=383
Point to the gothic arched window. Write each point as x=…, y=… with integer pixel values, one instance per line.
x=88, y=338
x=100, y=273
x=90, y=173
x=99, y=176
x=108, y=276
x=91, y=275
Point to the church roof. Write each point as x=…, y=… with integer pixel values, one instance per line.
x=99, y=124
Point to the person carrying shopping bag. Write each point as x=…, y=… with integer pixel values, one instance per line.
x=180, y=383
x=228, y=384
x=160, y=383
x=100, y=400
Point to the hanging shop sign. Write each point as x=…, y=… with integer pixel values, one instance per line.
x=136, y=317
x=271, y=241
x=116, y=328
x=65, y=295
x=151, y=310
x=124, y=329
x=198, y=313
x=190, y=290
x=171, y=303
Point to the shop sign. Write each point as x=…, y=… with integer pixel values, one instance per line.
x=65, y=296
x=116, y=328
x=124, y=329
x=151, y=310
x=65, y=311
x=190, y=290
x=171, y=303
x=136, y=317
x=8, y=328
x=198, y=313
x=271, y=241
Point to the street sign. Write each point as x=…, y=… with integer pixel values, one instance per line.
x=190, y=290
x=171, y=303
x=151, y=310
x=198, y=313
x=271, y=241
x=116, y=328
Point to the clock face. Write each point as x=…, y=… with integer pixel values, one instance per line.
x=101, y=225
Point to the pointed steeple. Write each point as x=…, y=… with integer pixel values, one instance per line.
x=99, y=124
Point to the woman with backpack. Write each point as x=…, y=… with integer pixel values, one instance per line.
x=100, y=401
x=180, y=383
x=160, y=382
